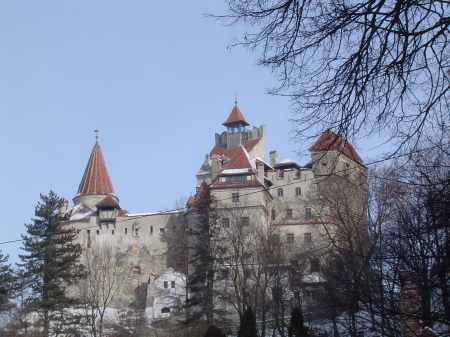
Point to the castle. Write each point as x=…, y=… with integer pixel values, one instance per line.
x=293, y=202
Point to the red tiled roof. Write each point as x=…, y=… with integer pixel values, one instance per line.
x=239, y=160
x=96, y=178
x=235, y=116
x=108, y=201
x=332, y=141
x=222, y=151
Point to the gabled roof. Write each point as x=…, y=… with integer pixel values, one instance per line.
x=235, y=117
x=240, y=164
x=108, y=202
x=96, y=179
x=332, y=141
x=239, y=160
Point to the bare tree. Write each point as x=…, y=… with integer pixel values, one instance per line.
x=357, y=67
x=104, y=275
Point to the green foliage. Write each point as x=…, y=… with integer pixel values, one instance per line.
x=214, y=331
x=202, y=259
x=50, y=262
x=248, y=324
x=5, y=279
x=297, y=329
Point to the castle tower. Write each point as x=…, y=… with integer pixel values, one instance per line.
x=235, y=124
x=95, y=184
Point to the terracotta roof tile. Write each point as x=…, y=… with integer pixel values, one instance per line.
x=239, y=160
x=332, y=141
x=108, y=201
x=96, y=178
x=235, y=116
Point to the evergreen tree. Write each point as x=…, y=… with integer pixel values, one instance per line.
x=214, y=331
x=248, y=324
x=297, y=329
x=200, y=285
x=5, y=279
x=51, y=259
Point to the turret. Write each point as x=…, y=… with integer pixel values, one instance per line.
x=235, y=124
x=95, y=184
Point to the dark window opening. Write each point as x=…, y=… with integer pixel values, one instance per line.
x=235, y=197
x=289, y=214
x=245, y=221
x=225, y=222
x=273, y=214
x=315, y=266
x=308, y=213
x=280, y=192
x=165, y=310
x=298, y=191
x=172, y=284
x=290, y=238
x=166, y=284
x=308, y=237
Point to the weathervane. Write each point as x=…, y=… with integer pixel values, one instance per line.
x=96, y=136
x=235, y=98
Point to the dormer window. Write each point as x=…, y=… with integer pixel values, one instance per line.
x=108, y=213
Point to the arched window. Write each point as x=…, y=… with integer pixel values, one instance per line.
x=298, y=191
x=165, y=310
x=280, y=192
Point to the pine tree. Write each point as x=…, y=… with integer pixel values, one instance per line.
x=214, y=331
x=5, y=279
x=202, y=258
x=51, y=259
x=248, y=324
x=297, y=329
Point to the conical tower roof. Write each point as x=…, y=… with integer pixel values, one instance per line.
x=235, y=117
x=96, y=179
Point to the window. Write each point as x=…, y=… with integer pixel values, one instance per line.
x=172, y=284
x=161, y=231
x=290, y=238
x=165, y=310
x=225, y=222
x=136, y=232
x=280, y=192
x=275, y=238
x=308, y=237
x=277, y=293
x=235, y=197
x=98, y=232
x=136, y=270
x=324, y=164
x=126, y=231
x=88, y=232
x=229, y=179
x=245, y=221
x=289, y=213
x=308, y=213
x=166, y=284
x=112, y=231
x=298, y=191
x=151, y=230
x=247, y=255
x=273, y=214
x=280, y=174
x=315, y=266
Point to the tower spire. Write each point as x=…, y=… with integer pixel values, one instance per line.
x=95, y=182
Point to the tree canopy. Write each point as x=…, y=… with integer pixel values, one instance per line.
x=361, y=68
x=50, y=262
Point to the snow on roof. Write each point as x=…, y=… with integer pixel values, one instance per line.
x=286, y=161
x=80, y=212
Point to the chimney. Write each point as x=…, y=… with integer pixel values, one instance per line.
x=63, y=206
x=273, y=158
x=410, y=303
x=260, y=171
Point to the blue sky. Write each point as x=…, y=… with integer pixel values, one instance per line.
x=155, y=77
